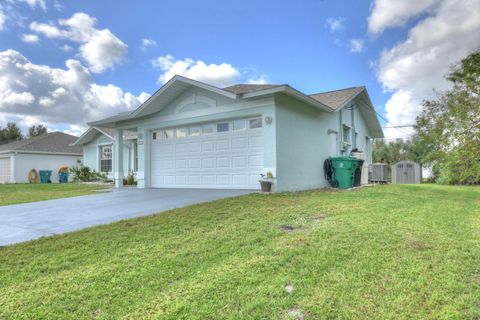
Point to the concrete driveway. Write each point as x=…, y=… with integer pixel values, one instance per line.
x=23, y=222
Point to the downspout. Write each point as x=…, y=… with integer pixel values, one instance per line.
x=340, y=130
x=354, y=140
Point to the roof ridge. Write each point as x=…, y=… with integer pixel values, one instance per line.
x=357, y=87
x=253, y=84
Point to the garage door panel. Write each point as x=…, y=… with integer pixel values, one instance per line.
x=239, y=161
x=194, y=180
x=194, y=147
x=255, y=141
x=180, y=148
x=208, y=163
x=255, y=161
x=195, y=163
x=239, y=143
x=223, y=162
x=208, y=146
x=239, y=179
x=231, y=159
x=223, y=145
x=223, y=179
x=4, y=170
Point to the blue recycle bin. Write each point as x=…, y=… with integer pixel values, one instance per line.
x=45, y=176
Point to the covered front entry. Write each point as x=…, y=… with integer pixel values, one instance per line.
x=220, y=155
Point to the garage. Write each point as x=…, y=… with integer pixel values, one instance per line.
x=5, y=170
x=219, y=155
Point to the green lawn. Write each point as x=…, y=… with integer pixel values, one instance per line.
x=387, y=252
x=24, y=192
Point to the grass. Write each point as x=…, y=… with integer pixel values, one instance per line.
x=22, y=193
x=389, y=252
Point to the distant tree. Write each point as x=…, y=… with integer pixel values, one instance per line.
x=393, y=151
x=449, y=126
x=34, y=131
x=10, y=133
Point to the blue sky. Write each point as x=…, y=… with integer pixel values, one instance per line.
x=121, y=51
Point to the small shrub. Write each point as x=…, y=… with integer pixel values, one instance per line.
x=86, y=174
x=130, y=179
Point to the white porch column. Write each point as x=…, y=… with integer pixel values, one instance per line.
x=142, y=140
x=118, y=159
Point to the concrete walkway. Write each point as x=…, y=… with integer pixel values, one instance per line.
x=23, y=222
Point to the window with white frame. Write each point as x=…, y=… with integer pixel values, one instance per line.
x=167, y=134
x=106, y=158
x=223, y=127
x=239, y=124
x=181, y=132
x=194, y=131
x=346, y=134
x=255, y=123
x=208, y=128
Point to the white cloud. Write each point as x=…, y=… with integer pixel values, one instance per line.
x=146, y=43
x=335, y=24
x=30, y=38
x=412, y=68
x=220, y=75
x=2, y=20
x=262, y=79
x=394, y=13
x=41, y=94
x=100, y=49
x=356, y=45
x=66, y=48
x=33, y=3
x=47, y=30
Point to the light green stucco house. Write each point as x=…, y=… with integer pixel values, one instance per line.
x=193, y=135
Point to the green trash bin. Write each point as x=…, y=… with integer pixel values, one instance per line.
x=45, y=176
x=344, y=168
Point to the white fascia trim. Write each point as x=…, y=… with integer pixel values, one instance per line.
x=77, y=142
x=84, y=135
x=41, y=152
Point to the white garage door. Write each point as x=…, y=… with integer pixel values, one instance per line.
x=4, y=170
x=222, y=155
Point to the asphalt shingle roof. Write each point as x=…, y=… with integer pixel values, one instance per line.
x=56, y=142
x=246, y=88
x=336, y=99
x=333, y=99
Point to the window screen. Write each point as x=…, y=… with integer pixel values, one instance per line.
x=106, y=159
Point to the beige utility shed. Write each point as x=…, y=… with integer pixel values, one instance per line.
x=406, y=172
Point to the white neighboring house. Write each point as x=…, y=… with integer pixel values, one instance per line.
x=49, y=151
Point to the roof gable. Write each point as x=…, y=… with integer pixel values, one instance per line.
x=93, y=132
x=338, y=98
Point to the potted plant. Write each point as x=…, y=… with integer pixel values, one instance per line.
x=266, y=181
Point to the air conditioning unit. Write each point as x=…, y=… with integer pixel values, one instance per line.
x=379, y=173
